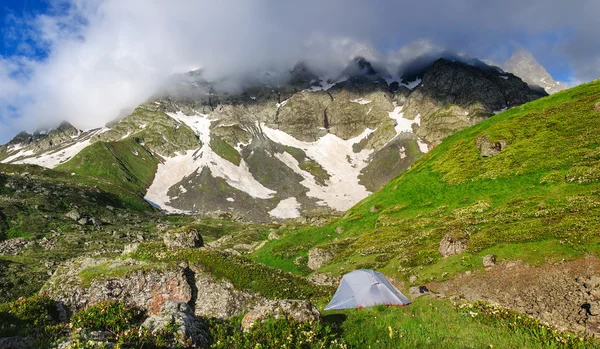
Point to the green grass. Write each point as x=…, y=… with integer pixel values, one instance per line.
x=537, y=201
x=124, y=164
x=435, y=323
x=244, y=273
x=226, y=151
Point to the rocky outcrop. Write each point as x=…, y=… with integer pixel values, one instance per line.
x=451, y=245
x=455, y=95
x=179, y=318
x=565, y=294
x=183, y=238
x=318, y=257
x=16, y=343
x=418, y=291
x=13, y=246
x=488, y=149
x=86, y=281
x=300, y=311
x=219, y=298
x=597, y=107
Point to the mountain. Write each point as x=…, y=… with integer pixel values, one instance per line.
x=504, y=211
x=524, y=65
x=306, y=148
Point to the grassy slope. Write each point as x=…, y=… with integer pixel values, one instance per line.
x=538, y=200
x=116, y=167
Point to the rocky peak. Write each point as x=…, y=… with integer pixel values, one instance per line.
x=523, y=64
x=454, y=95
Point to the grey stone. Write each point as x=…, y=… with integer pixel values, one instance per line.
x=451, y=245
x=418, y=291
x=13, y=246
x=339, y=230
x=489, y=149
x=489, y=260
x=597, y=107
x=180, y=316
x=317, y=257
x=73, y=214
x=183, y=238
x=130, y=248
x=297, y=310
x=16, y=343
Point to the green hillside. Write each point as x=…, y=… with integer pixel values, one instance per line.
x=124, y=164
x=537, y=200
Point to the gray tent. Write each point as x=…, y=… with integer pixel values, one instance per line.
x=365, y=288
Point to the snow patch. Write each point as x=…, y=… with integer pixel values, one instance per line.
x=175, y=168
x=55, y=157
x=360, y=101
x=422, y=146
x=288, y=208
x=335, y=156
x=402, y=124
x=230, y=199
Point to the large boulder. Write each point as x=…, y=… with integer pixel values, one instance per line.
x=489, y=149
x=219, y=298
x=178, y=316
x=86, y=281
x=301, y=311
x=317, y=257
x=451, y=245
x=183, y=238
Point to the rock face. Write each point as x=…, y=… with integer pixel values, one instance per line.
x=179, y=316
x=16, y=343
x=220, y=299
x=183, y=238
x=13, y=246
x=489, y=149
x=138, y=284
x=451, y=245
x=146, y=285
x=455, y=95
x=556, y=293
x=318, y=257
x=524, y=65
x=300, y=311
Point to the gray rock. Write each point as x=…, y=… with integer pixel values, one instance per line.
x=220, y=299
x=412, y=278
x=245, y=247
x=16, y=343
x=130, y=248
x=339, y=230
x=73, y=214
x=13, y=246
x=489, y=260
x=451, y=245
x=82, y=221
x=322, y=279
x=418, y=291
x=597, y=107
x=180, y=316
x=274, y=235
x=183, y=238
x=489, y=149
x=297, y=310
x=318, y=257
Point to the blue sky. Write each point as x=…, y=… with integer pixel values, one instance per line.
x=86, y=61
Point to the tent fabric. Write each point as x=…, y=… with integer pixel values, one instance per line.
x=365, y=288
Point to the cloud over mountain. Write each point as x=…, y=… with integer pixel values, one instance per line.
x=86, y=61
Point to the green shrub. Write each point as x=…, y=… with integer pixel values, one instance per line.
x=280, y=333
x=109, y=316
